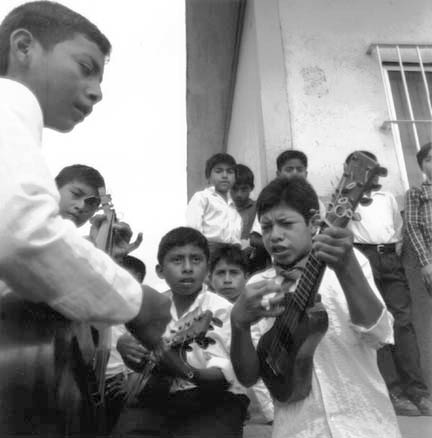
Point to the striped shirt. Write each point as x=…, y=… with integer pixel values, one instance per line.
x=418, y=221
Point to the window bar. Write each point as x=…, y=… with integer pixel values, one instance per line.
x=383, y=77
x=408, y=98
x=426, y=84
x=425, y=81
x=392, y=114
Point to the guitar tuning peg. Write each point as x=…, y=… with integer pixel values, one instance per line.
x=365, y=201
x=217, y=321
x=382, y=171
x=356, y=217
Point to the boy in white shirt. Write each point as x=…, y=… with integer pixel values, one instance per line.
x=212, y=210
x=348, y=396
x=51, y=67
x=208, y=401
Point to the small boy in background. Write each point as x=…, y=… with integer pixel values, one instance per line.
x=209, y=402
x=228, y=270
x=79, y=186
x=240, y=194
x=212, y=211
x=228, y=274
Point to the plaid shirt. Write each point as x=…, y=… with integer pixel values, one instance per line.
x=418, y=221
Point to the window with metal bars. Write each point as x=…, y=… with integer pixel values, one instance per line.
x=406, y=70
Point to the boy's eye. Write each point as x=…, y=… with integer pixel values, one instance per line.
x=86, y=68
x=265, y=227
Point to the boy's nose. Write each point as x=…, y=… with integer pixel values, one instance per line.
x=94, y=91
x=79, y=205
x=276, y=234
x=187, y=266
x=227, y=278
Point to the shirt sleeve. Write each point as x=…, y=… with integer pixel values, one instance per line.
x=42, y=256
x=195, y=211
x=413, y=226
x=397, y=217
x=380, y=333
x=218, y=353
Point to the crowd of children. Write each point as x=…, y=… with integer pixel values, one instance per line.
x=234, y=258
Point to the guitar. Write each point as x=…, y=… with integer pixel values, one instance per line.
x=286, y=351
x=173, y=348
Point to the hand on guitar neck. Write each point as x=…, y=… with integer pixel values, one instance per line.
x=122, y=236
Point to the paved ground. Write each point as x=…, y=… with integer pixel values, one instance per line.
x=411, y=427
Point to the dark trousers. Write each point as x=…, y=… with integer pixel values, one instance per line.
x=185, y=414
x=115, y=394
x=399, y=363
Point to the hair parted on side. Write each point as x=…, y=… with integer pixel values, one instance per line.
x=244, y=176
x=231, y=254
x=49, y=23
x=181, y=236
x=221, y=158
x=135, y=266
x=82, y=173
x=291, y=154
x=295, y=193
x=422, y=153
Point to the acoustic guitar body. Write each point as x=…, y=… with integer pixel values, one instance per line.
x=44, y=364
x=286, y=361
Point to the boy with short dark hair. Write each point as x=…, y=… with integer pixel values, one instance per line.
x=210, y=402
x=51, y=62
x=227, y=271
x=240, y=193
x=292, y=162
x=289, y=163
x=212, y=210
x=228, y=274
x=79, y=186
x=359, y=323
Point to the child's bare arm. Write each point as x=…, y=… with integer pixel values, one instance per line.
x=335, y=247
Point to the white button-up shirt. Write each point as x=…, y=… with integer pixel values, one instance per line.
x=349, y=398
x=42, y=256
x=216, y=218
x=215, y=355
x=381, y=221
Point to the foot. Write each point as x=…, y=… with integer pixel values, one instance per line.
x=424, y=405
x=403, y=406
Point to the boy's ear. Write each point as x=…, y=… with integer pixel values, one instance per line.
x=277, y=173
x=21, y=43
x=159, y=271
x=314, y=223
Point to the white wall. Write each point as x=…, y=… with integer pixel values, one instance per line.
x=336, y=101
x=136, y=136
x=335, y=90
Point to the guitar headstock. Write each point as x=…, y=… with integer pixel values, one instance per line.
x=360, y=176
x=193, y=329
x=105, y=200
